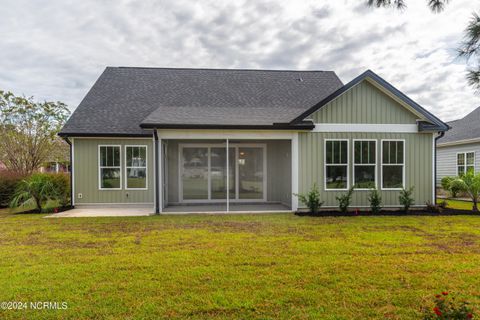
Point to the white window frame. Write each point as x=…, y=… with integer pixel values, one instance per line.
x=335, y=164
x=100, y=167
x=465, y=160
x=389, y=164
x=364, y=164
x=127, y=167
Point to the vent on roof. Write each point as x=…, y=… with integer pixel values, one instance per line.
x=300, y=79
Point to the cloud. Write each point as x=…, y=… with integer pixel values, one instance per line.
x=58, y=48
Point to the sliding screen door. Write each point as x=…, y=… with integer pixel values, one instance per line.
x=250, y=173
x=218, y=173
x=204, y=173
x=195, y=173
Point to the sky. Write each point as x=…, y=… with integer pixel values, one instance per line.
x=55, y=50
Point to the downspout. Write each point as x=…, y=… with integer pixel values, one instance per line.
x=71, y=170
x=441, y=134
x=157, y=172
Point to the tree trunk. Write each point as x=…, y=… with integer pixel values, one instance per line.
x=475, y=209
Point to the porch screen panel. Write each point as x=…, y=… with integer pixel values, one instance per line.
x=195, y=173
x=218, y=173
x=250, y=173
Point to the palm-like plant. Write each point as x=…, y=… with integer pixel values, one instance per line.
x=471, y=185
x=35, y=190
x=434, y=5
x=470, y=47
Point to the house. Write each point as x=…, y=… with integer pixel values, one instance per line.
x=194, y=140
x=459, y=148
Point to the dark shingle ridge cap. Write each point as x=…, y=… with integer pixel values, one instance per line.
x=220, y=69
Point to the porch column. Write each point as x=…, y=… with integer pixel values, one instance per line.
x=295, y=170
x=228, y=178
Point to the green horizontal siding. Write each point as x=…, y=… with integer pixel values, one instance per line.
x=418, y=165
x=86, y=173
x=364, y=104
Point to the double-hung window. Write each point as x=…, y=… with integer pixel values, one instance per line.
x=136, y=167
x=465, y=162
x=110, y=177
x=364, y=164
x=336, y=164
x=393, y=164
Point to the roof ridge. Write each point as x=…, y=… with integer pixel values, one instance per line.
x=220, y=69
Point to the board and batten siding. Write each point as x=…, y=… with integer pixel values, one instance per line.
x=364, y=103
x=447, y=159
x=86, y=173
x=418, y=166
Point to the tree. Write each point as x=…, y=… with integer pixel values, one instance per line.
x=470, y=47
x=28, y=130
x=471, y=183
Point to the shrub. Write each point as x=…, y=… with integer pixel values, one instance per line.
x=442, y=204
x=375, y=200
x=35, y=190
x=405, y=198
x=8, y=184
x=445, y=182
x=434, y=208
x=456, y=186
x=311, y=199
x=471, y=185
x=61, y=186
x=344, y=200
x=447, y=308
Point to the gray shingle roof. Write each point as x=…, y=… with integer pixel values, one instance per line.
x=463, y=129
x=123, y=98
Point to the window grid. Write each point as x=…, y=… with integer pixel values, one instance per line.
x=370, y=161
x=340, y=160
x=397, y=161
x=131, y=166
x=465, y=162
x=104, y=163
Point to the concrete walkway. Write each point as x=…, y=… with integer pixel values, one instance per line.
x=103, y=212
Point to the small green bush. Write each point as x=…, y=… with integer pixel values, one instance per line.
x=311, y=199
x=405, y=198
x=375, y=200
x=434, y=208
x=8, y=184
x=344, y=200
x=61, y=186
x=456, y=186
x=448, y=308
x=445, y=182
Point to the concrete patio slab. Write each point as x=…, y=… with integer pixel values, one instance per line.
x=103, y=212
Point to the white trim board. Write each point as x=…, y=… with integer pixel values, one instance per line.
x=193, y=134
x=365, y=127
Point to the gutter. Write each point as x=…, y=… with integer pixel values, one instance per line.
x=442, y=133
x=71, y=169
x=157, y=184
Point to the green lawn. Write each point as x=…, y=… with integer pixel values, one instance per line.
x=237, y=266
x=458, y=204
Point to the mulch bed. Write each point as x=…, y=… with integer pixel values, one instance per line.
x=413, y=212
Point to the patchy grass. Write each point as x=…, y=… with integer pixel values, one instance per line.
x=237, y=266
x=458, y=204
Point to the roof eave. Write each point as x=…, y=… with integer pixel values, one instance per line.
x=276, y=126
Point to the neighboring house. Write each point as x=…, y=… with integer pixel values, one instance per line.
x=159, y=137
x=458, y=150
